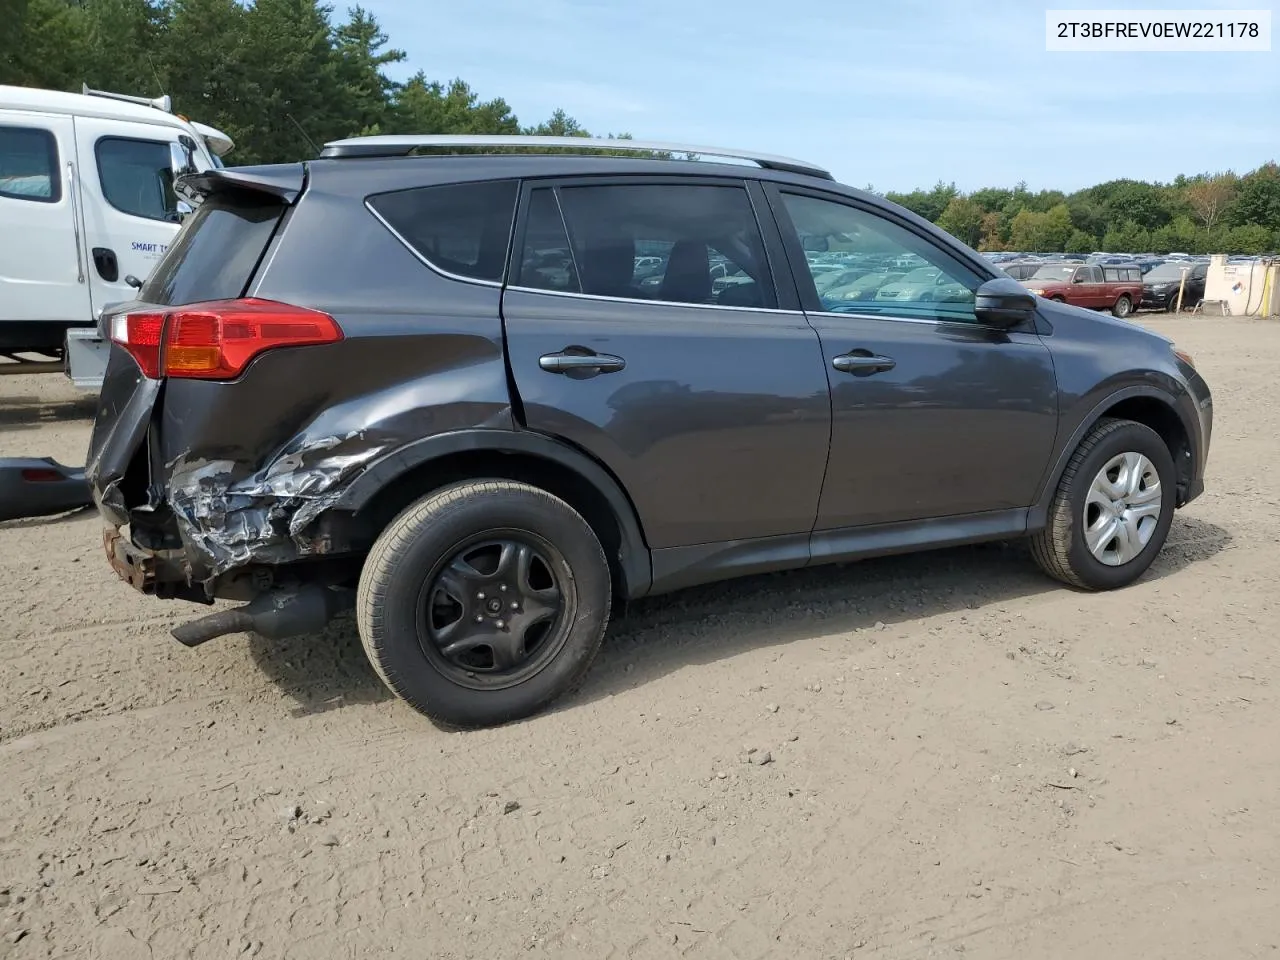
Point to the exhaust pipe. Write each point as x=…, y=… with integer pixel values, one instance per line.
x=286, y=612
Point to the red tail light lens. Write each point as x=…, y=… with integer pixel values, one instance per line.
x=218, y=339
x=140, y=334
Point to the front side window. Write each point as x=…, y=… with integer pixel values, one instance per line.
x=460, y=228
x=863, y=263
x=29, y=165
x=676, y=243
x=137, y=177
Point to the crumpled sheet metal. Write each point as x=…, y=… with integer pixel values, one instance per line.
x=263, y=518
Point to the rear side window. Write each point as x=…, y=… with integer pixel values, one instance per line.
x=215, y=253
x=677, y=243
x=137, y=177
x=29, y=165
x=458, y=228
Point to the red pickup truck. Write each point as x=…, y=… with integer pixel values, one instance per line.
x=1114, y=287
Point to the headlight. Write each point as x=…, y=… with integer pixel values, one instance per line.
x=1038, y=291
x=1185, y=357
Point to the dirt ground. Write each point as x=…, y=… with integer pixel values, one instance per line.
x=963, y=757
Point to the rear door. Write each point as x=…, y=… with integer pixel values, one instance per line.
x=42, y=273
x=130, y=211
x=707, y=401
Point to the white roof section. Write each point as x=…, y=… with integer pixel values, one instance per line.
x=57, y=101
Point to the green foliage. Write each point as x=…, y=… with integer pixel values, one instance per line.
x=963, y=219
x=277, y=75
x=1128, y=236
x=927, y=203
x=1204, y=213
x=1257, y=199
x=1081, y=242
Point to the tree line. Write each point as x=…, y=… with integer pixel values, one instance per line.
x=278, y=76
x=1206, y=213
x=281, y=76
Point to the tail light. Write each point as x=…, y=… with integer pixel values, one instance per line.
x=218, y=339
x=140, y=334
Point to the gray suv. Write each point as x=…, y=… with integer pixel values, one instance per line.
x=482, y=397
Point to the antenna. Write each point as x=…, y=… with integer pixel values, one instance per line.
x=311, y=142
x=156, y=73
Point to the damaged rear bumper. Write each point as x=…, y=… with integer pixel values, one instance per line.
x=147, y=571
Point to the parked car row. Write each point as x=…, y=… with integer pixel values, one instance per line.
x=1073, y=278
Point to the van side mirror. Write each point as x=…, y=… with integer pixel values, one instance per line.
x=182, y=159
x=1003, y=302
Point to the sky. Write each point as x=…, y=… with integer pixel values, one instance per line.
x=894, y=95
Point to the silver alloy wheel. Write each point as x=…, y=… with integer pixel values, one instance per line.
x=1122, y=509
x=1123, y=307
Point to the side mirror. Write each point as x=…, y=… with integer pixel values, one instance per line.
x=1078, y=278
x=182, y=159
x=1003, y=302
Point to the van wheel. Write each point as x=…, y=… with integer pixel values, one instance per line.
x=1112, y=510
x=483, y=602
x=1123, y=307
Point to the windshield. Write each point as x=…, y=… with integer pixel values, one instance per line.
x=1054, y=271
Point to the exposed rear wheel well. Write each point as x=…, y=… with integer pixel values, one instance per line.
x=1164, y=420
x=549, y=475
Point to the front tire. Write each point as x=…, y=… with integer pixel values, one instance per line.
x=1123, y=307
x=1112, y=509
x=483, y=602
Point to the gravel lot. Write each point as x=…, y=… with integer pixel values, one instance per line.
x=962, y=757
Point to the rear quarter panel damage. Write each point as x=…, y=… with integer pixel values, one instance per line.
x=250, y=465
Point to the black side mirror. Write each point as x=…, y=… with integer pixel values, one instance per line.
x=133, y=281
x=1003, y=302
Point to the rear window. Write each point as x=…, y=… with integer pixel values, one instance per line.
x=214, y=254
x=459, y=228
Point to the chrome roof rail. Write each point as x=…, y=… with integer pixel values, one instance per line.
x=390, y=145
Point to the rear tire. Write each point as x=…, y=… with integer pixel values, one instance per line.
x=483, y=602
x=1123, y=307
x=1091, y=543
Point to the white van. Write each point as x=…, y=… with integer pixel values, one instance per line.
x=86, y=210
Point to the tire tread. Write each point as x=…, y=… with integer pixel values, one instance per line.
x=1051, y=547
x=396, y=540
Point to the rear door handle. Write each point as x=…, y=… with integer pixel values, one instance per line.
x=566, y=362
x=862, y=362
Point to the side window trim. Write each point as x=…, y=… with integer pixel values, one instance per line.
x=803, y=278
x=54, y=156
x=764, y=224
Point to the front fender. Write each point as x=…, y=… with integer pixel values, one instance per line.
x=1087, y=413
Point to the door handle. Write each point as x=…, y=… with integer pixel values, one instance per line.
x=862, y=362
x=566, y=362
x=104, y=259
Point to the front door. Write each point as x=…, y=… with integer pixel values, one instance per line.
x=933, y=414
x=43, y=282
x=130, y=210
x=708, y=403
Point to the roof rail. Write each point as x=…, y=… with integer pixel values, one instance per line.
x=398, y=146
x=164, y=103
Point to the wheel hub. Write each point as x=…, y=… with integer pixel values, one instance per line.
x=491, y=613
x=1122, y=508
